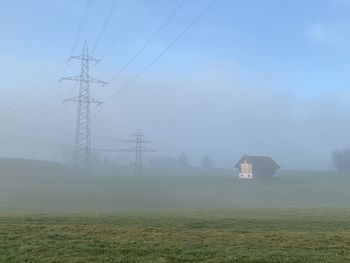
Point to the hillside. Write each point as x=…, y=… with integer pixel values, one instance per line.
x=36, y=186
x=10, y=167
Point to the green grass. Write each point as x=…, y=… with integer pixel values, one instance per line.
x=239, y=235
x=179, y=215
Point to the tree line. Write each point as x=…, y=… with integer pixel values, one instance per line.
x=341, y=160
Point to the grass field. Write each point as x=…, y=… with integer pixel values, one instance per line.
x=49, y=214
x=273, y=235
x=168, y=190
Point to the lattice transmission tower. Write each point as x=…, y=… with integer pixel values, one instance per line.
x=139, y=149
x=82, y=146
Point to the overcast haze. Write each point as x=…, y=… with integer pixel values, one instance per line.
x=238, y=82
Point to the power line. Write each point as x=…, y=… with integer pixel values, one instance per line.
x=122, y=28
x=81, y=26
x=166, y=49
x=24, y=110
x=11, y=93
x=104, y=25
x=26, y=124
x=31, y=141
x=35, y=143
x=149, y=40
x=44, y=112
x=28, y=110
x=30, y=123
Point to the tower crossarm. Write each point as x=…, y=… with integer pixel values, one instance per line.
x=97, y=81
x=79, y=99
x=79, y=79
x=73, y=78
x=147, y=150
x=141, y=141
x=95, y=101
x=82, y=57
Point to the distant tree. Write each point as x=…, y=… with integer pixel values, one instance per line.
x=106, y=161
x=206, y=162
x=341, y=160
x=161, y=162
x=182, y=160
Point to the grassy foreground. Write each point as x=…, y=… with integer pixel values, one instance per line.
x=269, y=235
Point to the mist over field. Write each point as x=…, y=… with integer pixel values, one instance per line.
x=197, y=99
x=222, y=116
x=174, y=131
x=41, y=187
x=291, y=104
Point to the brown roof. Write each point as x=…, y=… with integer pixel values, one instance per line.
x=259, y=161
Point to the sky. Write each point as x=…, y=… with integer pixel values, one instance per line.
x=251, y=77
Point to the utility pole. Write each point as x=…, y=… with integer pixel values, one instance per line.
x=82, y=146
x=139, y=149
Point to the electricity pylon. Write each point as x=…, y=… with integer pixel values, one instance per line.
x=82, y=146
x=138, y=149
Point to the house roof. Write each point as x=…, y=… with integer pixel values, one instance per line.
x=258, y=161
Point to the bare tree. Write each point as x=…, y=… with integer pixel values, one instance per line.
x=182, y=160
x=341, y=160
x=206, y=162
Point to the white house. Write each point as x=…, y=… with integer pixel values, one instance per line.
x=250, y=167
